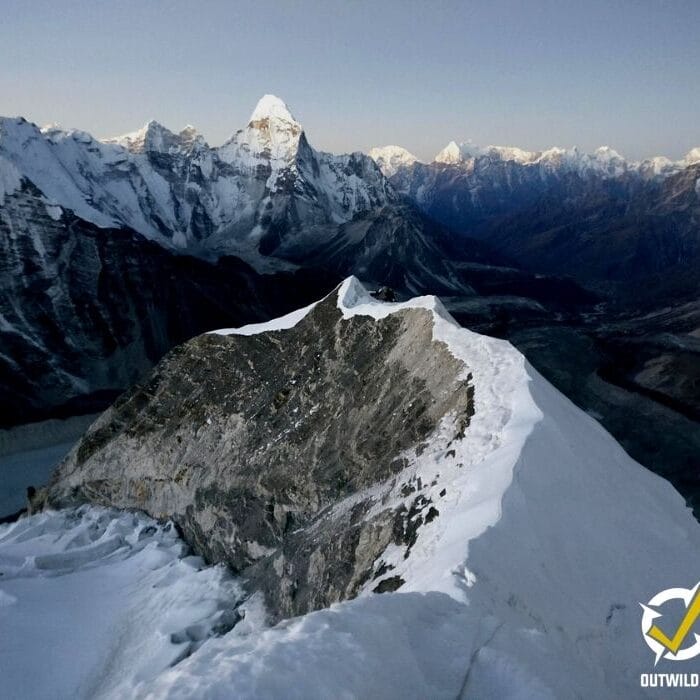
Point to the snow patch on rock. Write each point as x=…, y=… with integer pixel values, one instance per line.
x=277, y=324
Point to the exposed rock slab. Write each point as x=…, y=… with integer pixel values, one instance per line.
x=265, y=448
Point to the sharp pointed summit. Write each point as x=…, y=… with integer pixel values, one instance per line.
x=271, y=107
x=450, y=154
x=272, y=137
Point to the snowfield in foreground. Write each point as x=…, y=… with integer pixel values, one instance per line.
x=93, y=603
x=527, y=585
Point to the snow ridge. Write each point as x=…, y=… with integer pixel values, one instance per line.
x=154, y=137
x=548, y=537
x=604, y=161
x=487, y=454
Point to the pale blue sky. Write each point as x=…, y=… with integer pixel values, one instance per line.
x=357, y=74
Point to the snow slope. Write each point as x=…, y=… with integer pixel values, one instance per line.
x=94, y=602
x=526, y=584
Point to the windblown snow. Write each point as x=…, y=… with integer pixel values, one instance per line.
x=526, y=585
x=95, y=604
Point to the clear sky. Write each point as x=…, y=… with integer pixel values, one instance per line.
x=357, y=74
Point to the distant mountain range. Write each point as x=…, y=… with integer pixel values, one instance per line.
x=605, y=161
x=599, y=218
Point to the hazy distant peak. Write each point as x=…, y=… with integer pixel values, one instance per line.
x=154, y=137
x=450, y=154
x=692, y=156
x=391, y=158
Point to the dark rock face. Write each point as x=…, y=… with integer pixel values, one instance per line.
x=249, y=442
x=632, y=236
x=642, y=243
x=468, y=196
x=87, y=311
x=394, y=246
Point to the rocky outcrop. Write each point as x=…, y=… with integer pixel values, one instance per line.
x=271, y=451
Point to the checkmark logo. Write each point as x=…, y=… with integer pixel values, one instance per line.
x=672, y=647
x=674, y=643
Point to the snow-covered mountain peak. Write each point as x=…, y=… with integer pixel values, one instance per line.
x=271, y=137
x=604, y=160
x=190, y=137
x=12, y=127
x=154, y=137
x=607, y=152
x=508, y=153
x=175, y=189
x=661, y=166
x=272, y=107
x=391, y=158
x=692, y=156
x=658, y=165
x=449, y=155
x=455, y=153
x=134, y=140
x=513, y=532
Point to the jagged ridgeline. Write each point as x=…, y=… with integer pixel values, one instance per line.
x=277, y=451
